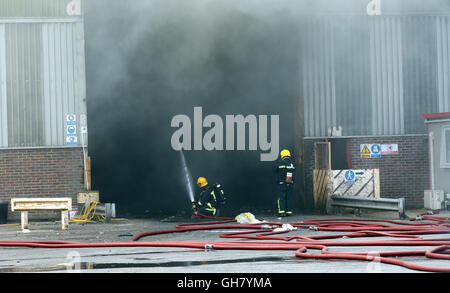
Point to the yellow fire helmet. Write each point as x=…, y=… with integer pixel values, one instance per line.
x=201, y=182
x=285, y=153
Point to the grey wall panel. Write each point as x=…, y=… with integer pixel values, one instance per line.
x=34, y=8
x=61, y=91
x=352, y=75
x=3, y=97
x=443, y=62
x=43, y=80
x=386, y=76
x=420, y=70
x=24, y=84
x=374, y=75
x=319, y=90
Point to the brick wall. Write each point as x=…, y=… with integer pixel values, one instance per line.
x=403, y=175
x=56, y=172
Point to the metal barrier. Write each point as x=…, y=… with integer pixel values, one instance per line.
x=387, y=204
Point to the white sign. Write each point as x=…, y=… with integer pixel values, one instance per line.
x=71, y=140
x=389, y=149
x=374, y=7
x=71, y=119
x=74, y=8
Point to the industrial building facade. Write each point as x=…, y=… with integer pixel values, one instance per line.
x=369, y=77
x=367, y=80
x=43, y=122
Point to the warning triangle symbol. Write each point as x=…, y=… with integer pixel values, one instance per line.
x=366, y=150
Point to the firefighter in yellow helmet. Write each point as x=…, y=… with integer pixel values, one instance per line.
x=285, y=183
x=211, y=197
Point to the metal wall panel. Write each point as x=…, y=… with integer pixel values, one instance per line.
x=352, y=73
x=3, y=97
x=373, y=75
x=42, y=72
x=443, y=62
x=386, y=76
x=24, y=84
x=318, y=72
x=419, y=70
x=34, y=8
x=61, y=90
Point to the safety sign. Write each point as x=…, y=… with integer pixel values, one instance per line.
x=376, y=151
x=349, y=177
x=370, y=151
x=389, y=149
x=71, y=140
x=71, y=119
x=365, y=151
x=71, y=129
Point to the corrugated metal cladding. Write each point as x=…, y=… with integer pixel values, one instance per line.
x=42, y=73
x=34, y=8
x=374, y=75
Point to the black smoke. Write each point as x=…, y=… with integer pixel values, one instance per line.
x=148, y=61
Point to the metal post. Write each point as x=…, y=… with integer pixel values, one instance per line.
x=108, y=212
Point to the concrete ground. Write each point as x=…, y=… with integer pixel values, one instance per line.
x=181, y=260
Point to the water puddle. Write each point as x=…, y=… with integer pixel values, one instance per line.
x=92, y=266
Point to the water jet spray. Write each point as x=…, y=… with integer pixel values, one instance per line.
x=188, y=181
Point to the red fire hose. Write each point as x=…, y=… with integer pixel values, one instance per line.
x=265, y=236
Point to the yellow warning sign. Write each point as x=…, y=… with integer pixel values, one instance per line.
x=365, y=152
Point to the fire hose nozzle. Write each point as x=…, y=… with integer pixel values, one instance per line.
x=313, y=228
x=419, y=218
x=194, y=208
x=208, y=246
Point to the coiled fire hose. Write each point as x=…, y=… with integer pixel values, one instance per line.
x=264, y=236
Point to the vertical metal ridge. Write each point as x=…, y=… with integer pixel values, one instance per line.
x=3, y=92
x=401, y=88
x=47, y=86
x=331, y=110
x=446, y=95
x=443, y=63
x=307, y=76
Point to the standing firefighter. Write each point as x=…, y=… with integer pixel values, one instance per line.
x=210, y=199
x=285, y=183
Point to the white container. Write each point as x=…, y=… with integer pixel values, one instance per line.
x=433, y=199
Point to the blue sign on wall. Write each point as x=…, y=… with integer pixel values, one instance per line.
x=375, y=151
x=349, y=177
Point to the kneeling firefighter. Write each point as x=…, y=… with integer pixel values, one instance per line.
x=285, y=183
x=211, y=198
